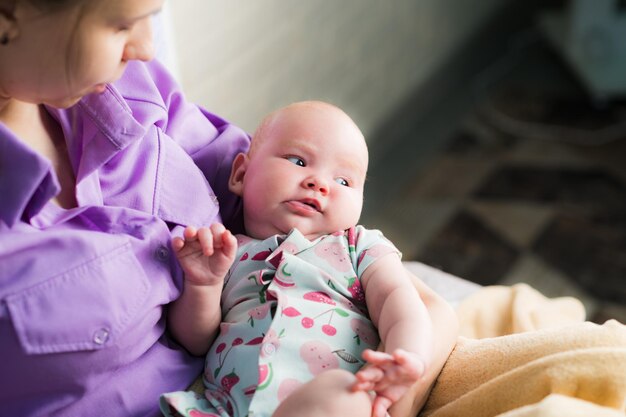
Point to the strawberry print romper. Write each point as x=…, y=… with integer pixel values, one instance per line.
x=292, y=308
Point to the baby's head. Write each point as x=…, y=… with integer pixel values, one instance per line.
x=305, y=169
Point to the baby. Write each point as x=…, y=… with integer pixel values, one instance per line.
x=307, y=295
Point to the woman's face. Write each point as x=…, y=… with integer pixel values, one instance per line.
x=59, y=57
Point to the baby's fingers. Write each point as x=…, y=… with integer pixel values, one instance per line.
x=377, y=358
x=224, y=240
x=367, y=378
x=217, y=230
x=409, y=363
x=370, y=373
x=178, y=243
x=380, y=406
x=362, y=386
x=190, y=234
x=229, y=243
x=206, y=238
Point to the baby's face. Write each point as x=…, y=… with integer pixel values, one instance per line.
x=307, y=173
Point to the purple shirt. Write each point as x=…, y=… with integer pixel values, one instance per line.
x=82, y=291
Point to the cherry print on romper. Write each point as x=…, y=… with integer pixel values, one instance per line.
x=328, y=328
x=308, y=322
x=223, y=355
x=261, y=256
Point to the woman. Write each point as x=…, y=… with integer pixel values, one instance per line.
x=101, y=162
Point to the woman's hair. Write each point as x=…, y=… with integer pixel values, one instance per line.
x=54, y=5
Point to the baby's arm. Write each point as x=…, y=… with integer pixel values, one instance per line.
x=205, y=256
x=404, y=325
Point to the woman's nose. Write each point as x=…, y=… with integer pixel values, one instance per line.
x=140, y=46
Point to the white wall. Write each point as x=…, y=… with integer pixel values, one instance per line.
x=241, y=59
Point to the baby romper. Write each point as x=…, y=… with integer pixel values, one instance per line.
x=292, y=308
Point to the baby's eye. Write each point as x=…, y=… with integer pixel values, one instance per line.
x=342, y=181
x=296, y=160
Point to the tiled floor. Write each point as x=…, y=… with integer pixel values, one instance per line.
x=524, y=191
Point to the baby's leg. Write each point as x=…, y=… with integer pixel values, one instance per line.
x=328, y=395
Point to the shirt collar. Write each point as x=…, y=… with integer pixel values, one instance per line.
x=98, y=127
x=26, y=179
x=113, y=117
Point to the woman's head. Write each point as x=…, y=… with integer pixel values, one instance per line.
x=57, y=51
x=50, y=5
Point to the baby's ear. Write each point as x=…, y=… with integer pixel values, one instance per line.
x=237, y=172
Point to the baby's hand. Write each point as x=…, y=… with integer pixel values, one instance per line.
x=205, y=254
x=389, y=375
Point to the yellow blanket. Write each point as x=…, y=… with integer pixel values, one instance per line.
x=524, y=355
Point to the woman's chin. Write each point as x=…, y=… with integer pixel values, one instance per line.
x=64, y=103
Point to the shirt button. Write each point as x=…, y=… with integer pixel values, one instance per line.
x=101, y=336
x=268, y=349
x=162, y=253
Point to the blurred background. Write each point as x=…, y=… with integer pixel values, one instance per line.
x=496, y=128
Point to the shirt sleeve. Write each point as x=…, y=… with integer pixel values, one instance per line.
x=211, y=141
x=369, y=245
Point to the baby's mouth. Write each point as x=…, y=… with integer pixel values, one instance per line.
x=314, y=204
x=306, y=205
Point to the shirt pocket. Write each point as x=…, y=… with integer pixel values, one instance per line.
x=85, y=308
